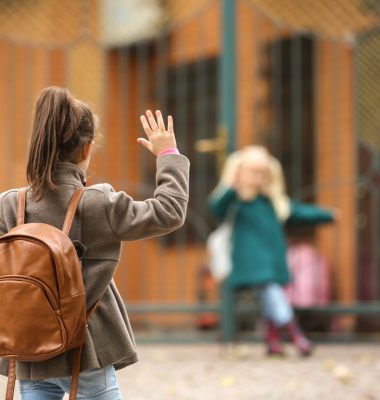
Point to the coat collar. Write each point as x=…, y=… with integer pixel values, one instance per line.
x=69, y=173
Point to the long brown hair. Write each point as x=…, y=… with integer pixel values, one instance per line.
x=62, y=126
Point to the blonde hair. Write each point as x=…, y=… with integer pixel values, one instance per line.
x=276, y=190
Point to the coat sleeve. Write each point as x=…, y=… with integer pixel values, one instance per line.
x=302, y=213
x=3, y=226
x=219, y=201
x=8, y=211
x=135, y=220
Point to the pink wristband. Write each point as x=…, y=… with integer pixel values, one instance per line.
x=169, y=151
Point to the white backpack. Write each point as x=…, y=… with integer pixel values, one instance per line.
x=219, y=245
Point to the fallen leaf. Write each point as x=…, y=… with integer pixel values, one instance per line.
x=343, y=373
x=228, y=381
x=169, y=390
x=275, y=395
x=241, y=352
x=328, y=364
x=291, y=385
x=365, y=359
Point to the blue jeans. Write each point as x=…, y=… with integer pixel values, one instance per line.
x=275, y=305
x=99, y=384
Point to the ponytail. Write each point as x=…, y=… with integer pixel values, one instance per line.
x=62, y=126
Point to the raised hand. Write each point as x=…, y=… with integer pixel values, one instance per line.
x=160, y=139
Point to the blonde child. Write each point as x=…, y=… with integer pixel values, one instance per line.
x=252, y=184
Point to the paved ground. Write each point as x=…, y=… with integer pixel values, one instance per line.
x=211, y=372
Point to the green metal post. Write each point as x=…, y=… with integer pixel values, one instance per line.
x=227, y=118
x=227, y=313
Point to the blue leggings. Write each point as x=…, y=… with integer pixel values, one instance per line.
x=275, y=305
x=99, y=384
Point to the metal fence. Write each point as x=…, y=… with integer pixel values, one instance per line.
x=300, y=77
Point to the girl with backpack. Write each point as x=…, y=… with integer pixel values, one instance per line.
x=64, y=131
x=251, y=198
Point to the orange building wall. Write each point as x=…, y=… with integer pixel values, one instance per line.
x=197, y=37
x=24, y=72
x=336, y=161
x=39, y=50
x=151, y=271
x=254, y=33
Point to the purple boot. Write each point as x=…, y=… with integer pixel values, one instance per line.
x=273, y=340
x=298, y=338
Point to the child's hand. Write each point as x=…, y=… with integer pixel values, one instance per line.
x=159, y=139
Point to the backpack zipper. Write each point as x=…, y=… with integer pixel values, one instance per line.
x=22, y=278
x=28, y=239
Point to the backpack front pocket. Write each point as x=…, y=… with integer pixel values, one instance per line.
x=29, y=328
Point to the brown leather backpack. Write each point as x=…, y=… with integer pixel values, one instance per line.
x=42, y=296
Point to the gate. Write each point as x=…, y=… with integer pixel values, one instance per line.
x=299, y=78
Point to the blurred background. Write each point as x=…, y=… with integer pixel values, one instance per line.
x=300, y=77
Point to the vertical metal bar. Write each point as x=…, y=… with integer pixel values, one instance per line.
x=260, y=137
x=227, y=83
x=357, y=127
x=2, y=127
x=276, y=95
x=162, y=48
x=316, y=110
x=335, y=134
x=375, y=217
x=9, y=143
x=123, y=111
x=123, y=92
x=201, y=130
x=181, y=72
x=376, y=197
x=227, y=312
x=227, y=117
x=143, y=105
x=104, y=153
x=181, y=137
x=29, y=99
x=296, y=117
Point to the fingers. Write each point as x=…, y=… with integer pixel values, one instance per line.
x=146, y=126
x=160, y=120
x=152, y=121
x=170, y=125
x=146, y=144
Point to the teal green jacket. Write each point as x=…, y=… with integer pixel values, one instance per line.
x=258, y=239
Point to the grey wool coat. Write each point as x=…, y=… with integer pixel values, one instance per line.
x=104, y=220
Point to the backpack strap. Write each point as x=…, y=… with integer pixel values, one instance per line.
x=11, y=380
x=21, y=200
x=72, y=210
x=77, y=355
x=94, y=307
x=75, y=373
